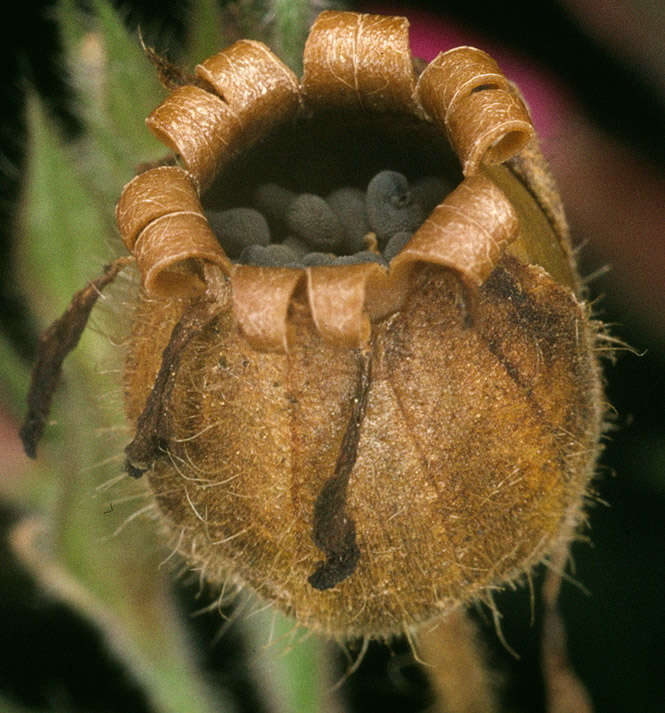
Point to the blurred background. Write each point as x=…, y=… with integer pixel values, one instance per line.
x=593, y=74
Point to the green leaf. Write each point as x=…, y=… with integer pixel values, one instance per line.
x=206, y=36
x=293, y=665
x=291, y=28
x=14, y=378
x=116, y=87
x=62, y=230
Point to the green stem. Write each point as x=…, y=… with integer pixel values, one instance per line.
x=292, y=21
x=292, y=667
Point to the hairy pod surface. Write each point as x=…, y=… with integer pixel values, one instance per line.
x=367, y=444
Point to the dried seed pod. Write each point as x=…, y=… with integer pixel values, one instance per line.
x=367, y=446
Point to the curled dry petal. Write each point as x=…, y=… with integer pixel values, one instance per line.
x=484, y=118
x=468, y=232
x=198, y=126
x=261, y=297
x=259, y=88
x=359, y=60
x=337, y=302
x=161, y=221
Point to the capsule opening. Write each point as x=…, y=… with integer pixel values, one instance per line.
x=335, y=188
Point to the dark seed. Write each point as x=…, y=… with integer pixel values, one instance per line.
x=362, y=256
x=395, y=244
x=238, y=228
x=349, y=206
x=316, y=259
x=268, y=256
x=429, y=191
x=273, y=201
x=298, y=246
x=390, y=208
x=311, y=219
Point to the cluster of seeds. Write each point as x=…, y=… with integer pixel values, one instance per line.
x=348, y=225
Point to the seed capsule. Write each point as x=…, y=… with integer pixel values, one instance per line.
x=395, y=244
x=365, y=440
x=383, y=443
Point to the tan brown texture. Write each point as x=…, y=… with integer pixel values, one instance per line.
x=475, y=448
x=161, y=221
x=261, y=298
x=359, y=60
x=260, y=89
x=337, y=302
x=456, y=664
x=467, y=232
x=199, y=127
x=485, y=119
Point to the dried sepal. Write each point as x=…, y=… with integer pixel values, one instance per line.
x=333, y=529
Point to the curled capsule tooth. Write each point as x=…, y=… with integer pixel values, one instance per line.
x=390, y=208
x=429, y=191
x=273, y=201
x=238, y=228
x=274, y=255
x=349, y=205
x=313, y=221
x=395, y=244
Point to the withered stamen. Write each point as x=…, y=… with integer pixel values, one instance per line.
x=54, y=345
x=334, y=532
